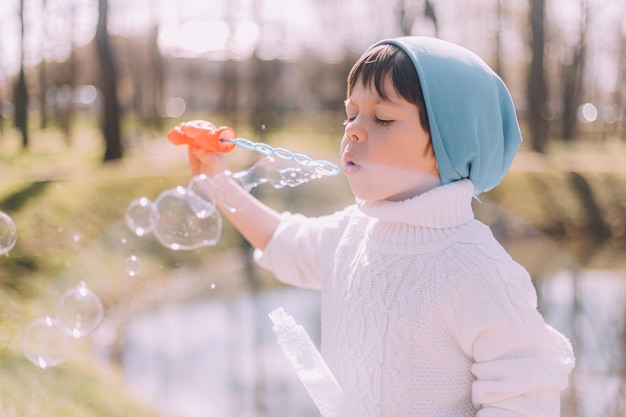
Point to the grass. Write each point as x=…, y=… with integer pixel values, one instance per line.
x=69, y=209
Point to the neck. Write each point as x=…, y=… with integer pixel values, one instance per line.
x=440, y=207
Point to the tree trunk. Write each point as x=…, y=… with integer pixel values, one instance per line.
x=620, y=83
x=498, y=66
x=405, y=17
x=43, y=82
x=67, y=112
x=266, y=95
x=537, y=87
x=20, y=92
x=158, y=79
x=573, y=73
x=21, y=107
x=111, y=108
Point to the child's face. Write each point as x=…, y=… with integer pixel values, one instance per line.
x=385, y=150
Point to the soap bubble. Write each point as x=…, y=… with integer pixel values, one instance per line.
x=204, y=186
x=79, y=311
x=8, y=234
x=182, y=220
x=140, y=216
x=132, y=265
x=45, y=343
x=293, y=177
x=278, y=173
x=231, y=201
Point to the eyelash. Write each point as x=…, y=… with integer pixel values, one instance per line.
x=379, y=121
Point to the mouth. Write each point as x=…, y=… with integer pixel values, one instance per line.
x=350, y=167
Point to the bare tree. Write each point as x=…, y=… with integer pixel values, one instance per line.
x=406, y=16
x=537, y=88
x=230, y=83
x=157, y=79
x=67, y=114
x=620, y=84
x=108, y=75
x=572, y=76
x=498, y=66
x=20, y=92
x=43, y=111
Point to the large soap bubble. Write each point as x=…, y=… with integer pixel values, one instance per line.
x=205, y=187
x=184, y=220
x=79, y=311
x=45, y=343
x=8, y=233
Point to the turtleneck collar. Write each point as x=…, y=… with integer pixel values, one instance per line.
x=442, y=207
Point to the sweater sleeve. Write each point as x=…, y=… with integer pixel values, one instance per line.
x=302, y=247
x=520, y=364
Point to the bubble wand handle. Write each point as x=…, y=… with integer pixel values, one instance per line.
x=203, y=135
x=310, y=367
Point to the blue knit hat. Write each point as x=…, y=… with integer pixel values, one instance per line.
x=473, y=126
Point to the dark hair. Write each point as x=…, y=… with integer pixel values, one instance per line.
x=389, y=60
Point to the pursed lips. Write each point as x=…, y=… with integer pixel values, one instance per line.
x=349, y=166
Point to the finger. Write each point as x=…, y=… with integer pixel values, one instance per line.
x=194, y=163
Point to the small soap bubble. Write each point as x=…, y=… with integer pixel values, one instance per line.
x=123, y=241
x=140, y=216
x=181, y=220
x=45, y=343
x=213, y=286
x=132, y=266
x=79, y=311
x=8, y=233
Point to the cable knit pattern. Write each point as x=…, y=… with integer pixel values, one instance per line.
x=423, y=312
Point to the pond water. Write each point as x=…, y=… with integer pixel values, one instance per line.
x=217, y=355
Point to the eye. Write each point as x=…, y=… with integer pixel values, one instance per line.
x=348, y=120
x=383, y=122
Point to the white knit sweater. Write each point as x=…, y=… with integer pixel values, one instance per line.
x=423, y=312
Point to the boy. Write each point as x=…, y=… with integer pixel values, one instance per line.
x=423, y=312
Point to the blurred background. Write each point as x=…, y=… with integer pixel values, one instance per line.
x=88, y=92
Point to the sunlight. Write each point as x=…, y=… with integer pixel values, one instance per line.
x=194, y=37
x=246, y=37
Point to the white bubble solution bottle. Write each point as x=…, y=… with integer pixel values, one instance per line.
x=310, y=367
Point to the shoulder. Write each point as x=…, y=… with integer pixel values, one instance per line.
x=481, y=267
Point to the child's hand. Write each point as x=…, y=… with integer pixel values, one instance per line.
x=205, y=162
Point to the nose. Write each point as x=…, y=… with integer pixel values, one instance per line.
x=354, y=132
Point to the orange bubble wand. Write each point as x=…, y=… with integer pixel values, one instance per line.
x=204, y=135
